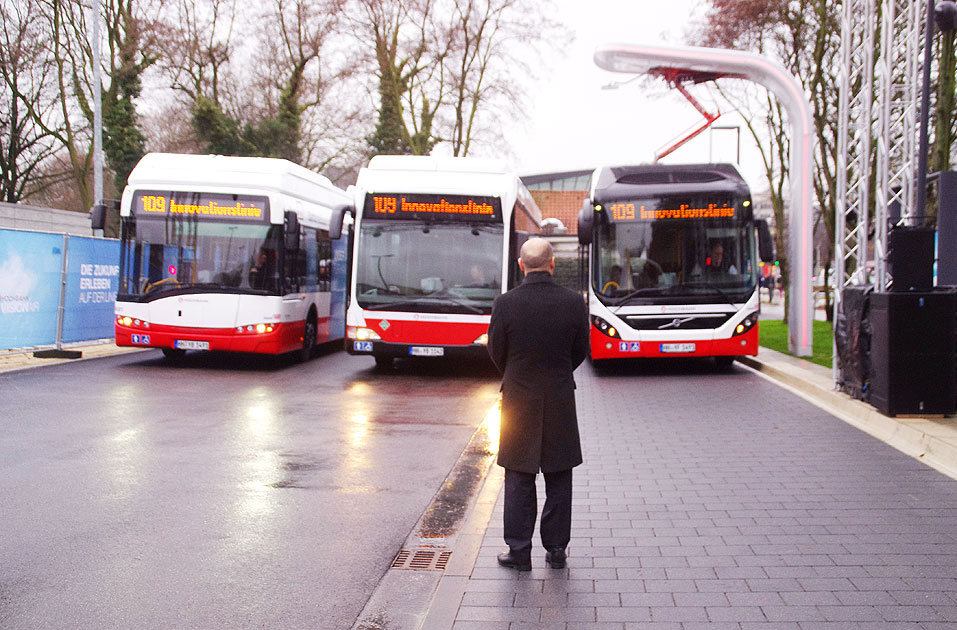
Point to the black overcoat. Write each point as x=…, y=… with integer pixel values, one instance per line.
x=537, y=336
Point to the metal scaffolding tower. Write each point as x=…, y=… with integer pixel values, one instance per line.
x=877, y=133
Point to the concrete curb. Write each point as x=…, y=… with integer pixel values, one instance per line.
x=451, y=588
x=25, y=359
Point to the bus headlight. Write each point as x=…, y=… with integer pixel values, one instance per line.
x=746, y=324
x=605, y=327
x=255, y=328
x=129, y=322
x=482, y=340
x=362, y=334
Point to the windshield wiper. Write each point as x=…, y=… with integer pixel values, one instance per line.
x=711, y=285
x=426, y=299
x=445, y=296
x=382, y=306
x=619, y=301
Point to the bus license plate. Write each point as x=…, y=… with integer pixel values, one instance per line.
x=186, y=344
x=424, y=351
x=677, y=347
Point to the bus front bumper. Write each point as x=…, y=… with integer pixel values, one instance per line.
x=403, y=350
x=605, y=347
x=282, y=338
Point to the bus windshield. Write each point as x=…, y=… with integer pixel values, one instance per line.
x=442, y=267
x=670, y=256
x=166, y=254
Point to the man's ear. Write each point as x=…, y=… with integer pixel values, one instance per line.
x=521, y=265
x=551, y=264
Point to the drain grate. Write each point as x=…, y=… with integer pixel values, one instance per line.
x=422, y=560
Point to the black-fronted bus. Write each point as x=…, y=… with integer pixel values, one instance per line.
x=672, y=262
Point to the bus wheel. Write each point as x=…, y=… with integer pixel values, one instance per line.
x=383, y=362
x=723, y=363
x=174, y=354
x=308, y=339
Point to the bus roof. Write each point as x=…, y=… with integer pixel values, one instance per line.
x=200, y=172
x=435, y=163
x=615, y=182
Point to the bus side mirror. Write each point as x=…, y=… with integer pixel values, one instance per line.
x=99, y=210
x=97, y=217
x=291, y=232
x=765, y=242
x=586, y=222
x=337, y=218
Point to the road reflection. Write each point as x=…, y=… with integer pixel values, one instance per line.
x=261, y=465
x=492, y=426
x=126, y=445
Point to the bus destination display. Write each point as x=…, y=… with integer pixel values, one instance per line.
x=242, y=208
x=653, y=211
x=436, y=207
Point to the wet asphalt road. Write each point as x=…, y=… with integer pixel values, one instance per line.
x=222, y=493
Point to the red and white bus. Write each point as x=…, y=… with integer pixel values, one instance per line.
x=437, y=239
x=672, y=262
x=231, y=253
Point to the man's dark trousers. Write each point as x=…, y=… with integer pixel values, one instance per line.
x=521, y=506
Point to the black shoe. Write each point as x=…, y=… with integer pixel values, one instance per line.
x=520, y=562
x=555, y=558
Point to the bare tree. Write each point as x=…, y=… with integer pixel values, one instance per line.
x=492, y=43
x=446, y=68
x=262, y=80
x=66, y=56
x=25, y=146
x=400, y=39
x=804, y=36
x=71, y=57
x=198, y=45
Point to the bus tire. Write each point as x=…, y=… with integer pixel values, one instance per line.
x=174, y=355
x=723, y=363
x=383, y=362
x=309, y=334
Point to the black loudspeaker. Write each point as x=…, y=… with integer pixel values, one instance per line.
x=947, y=229
x=910, y=258
x=912, y=352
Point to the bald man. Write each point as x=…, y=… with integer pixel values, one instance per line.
x=537, y=336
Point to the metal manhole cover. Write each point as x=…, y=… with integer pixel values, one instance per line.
x=422, y=559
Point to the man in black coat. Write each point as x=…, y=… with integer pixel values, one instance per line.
x=537, y=336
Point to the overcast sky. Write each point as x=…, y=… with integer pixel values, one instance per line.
x=575, y=124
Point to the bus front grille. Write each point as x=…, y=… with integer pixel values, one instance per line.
x=677, y=322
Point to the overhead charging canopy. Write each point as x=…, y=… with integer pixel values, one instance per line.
x=718, y=63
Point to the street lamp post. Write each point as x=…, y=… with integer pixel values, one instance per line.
x=97, y=110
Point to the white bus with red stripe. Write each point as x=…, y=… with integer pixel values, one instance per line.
x=236, y=254
x=437, y=239
x=672, y=262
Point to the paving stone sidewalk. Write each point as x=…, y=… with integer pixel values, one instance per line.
x=723, y=501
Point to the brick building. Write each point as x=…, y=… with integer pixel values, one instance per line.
x=560, y=196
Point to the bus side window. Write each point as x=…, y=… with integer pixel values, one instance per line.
x=325, y=261
x=310, y=275
x=294, y=267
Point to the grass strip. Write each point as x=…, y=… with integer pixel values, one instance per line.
x=773, y=334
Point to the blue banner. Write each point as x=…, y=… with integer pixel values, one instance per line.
x=30, y=271
x=31, y=274
x=91, y=284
